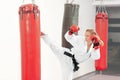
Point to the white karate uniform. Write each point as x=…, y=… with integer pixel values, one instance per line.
x=78, y=50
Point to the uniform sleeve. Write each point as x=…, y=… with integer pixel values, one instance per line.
x=95, y=54
x=71, y=38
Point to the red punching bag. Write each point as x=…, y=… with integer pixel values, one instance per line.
x=29, y=18
x=102, y=30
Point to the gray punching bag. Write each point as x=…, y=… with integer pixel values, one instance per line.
x=71, y=14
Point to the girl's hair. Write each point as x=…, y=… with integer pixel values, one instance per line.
x=91, y=31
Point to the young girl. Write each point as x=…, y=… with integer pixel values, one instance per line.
x=84, y=44
x=69, y=59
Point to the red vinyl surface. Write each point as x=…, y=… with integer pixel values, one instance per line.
x=29, y=17
x=102, y=30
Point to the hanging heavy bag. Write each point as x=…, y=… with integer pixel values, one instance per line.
x=71, y=14
x=102, y=30
x=29, y=19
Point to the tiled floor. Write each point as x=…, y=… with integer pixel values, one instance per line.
x=104, y=77
x=100, y=77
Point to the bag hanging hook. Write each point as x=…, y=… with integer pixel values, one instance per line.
x=69, y=1
x=33, y=1
x=103, y=8
x=100, y=7
x=72, y=1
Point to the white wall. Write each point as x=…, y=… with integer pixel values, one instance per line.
x=51, y=23
x=9, y=41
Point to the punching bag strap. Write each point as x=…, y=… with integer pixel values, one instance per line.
x=75, y=63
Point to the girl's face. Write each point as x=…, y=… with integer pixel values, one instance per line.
x=87, y=36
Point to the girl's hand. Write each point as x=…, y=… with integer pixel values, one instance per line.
x=42, y=34
x=101, y=43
